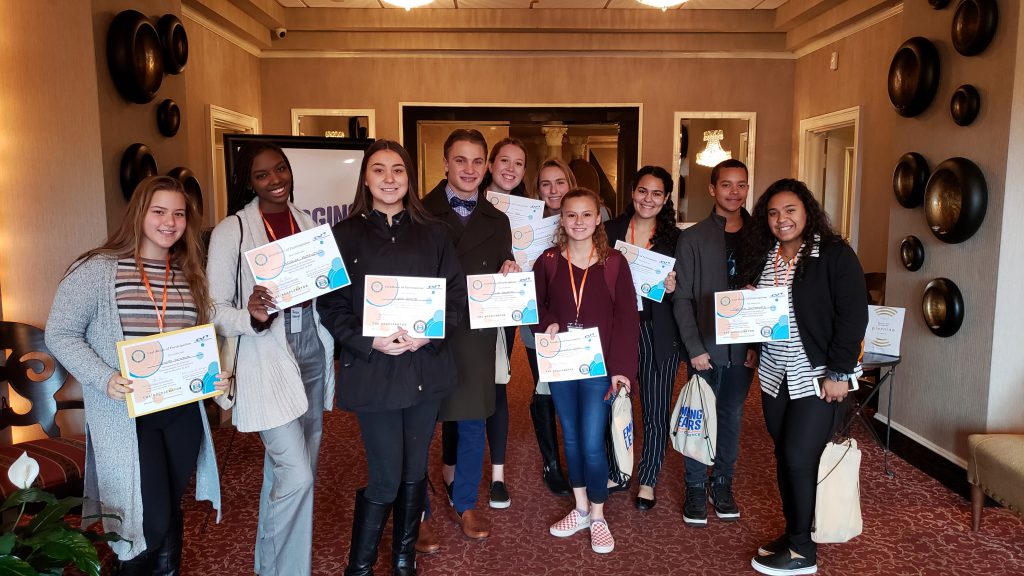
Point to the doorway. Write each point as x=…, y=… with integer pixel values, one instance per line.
x=223, y=121
x=830, y=165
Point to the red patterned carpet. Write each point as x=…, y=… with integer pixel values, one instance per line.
x=912, y=524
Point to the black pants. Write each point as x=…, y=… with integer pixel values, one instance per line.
x=168, y=449
x=397, y=443
x=800, y=429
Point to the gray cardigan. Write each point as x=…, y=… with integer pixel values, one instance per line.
x=82, y=332
x=269, y=390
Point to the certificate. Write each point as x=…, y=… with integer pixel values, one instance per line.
x=760, y=315
x=571, y=355
x=169, y=369
x=530, y=240
x=414, y=303
x=648, y=268
x=520, y=210
x=299, y=267
x=496, y=300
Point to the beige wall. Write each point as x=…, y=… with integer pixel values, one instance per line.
x=860, y=81
x=662, y=85
x=222, y=74
x=944, y=386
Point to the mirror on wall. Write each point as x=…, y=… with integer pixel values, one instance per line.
x=334, y=122
x=702, y=139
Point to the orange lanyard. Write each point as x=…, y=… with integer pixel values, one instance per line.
x=270, y=229
x=578, y=297
x=632, y=236
x=149, y=291
x=789, y=266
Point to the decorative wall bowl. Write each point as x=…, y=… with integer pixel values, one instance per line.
x=134, y=57
x=974, y=25
x=168, y=117
x=938, y=4
x=965, y=105
x=913, y=76
x=175, y=43
x=137, y=163
x=943, y=307
x=909, y=179
x=190, y=182
x=912, y=253
x=955, y=200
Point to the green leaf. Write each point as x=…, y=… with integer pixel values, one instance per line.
x=51, y=515
x=7, y=543
x=26, y=496
x=14, y=566
x=67, y=545
x=95, y=537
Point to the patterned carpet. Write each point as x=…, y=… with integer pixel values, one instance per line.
x=912, y=524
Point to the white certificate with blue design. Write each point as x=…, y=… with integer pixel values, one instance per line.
x=760, y=315
x=412, y=303
x=529, y=241
x=496, y=300
x=520, y=210
x=572, y=355
x=649, y=270
x=299, y=267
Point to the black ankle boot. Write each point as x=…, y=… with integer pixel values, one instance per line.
x=141, y=565
x=542, y=411
x=167, y=561
x=367, y=526
x=408, y=509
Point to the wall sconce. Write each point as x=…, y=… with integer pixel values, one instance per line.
x=713, y=154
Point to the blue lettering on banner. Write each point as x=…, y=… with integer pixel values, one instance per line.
x=691, y=418
x=330, y=215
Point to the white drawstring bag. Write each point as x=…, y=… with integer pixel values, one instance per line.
x=621, y=423
x=837, y=506
x=694, y=423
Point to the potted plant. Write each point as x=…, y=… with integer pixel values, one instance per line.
x=44, y=544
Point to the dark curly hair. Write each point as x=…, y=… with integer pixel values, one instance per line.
x=757, y=239
x=665, y=224
x=240, y=190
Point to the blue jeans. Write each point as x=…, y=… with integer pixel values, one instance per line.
x=584, y=415
x=470, y=467
x=730, y=385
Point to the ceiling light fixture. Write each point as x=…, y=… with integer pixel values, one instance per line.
x=713, y=153
x=408, y=4
x=663, y=4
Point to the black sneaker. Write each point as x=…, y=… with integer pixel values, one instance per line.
x=783, y=564
x=780, y=543
x=720, y=496
x=499, y=495
x=695, y=506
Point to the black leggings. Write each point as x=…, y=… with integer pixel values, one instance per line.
x=397, y=443
x=168, y=449
x=800, y=429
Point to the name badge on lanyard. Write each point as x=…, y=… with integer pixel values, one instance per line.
x=574, y=326
x=296, y=319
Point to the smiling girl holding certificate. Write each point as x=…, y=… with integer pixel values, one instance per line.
x=583, y=283
x=145, y=279
x=393, y=383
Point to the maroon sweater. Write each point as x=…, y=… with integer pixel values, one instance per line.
x=617, y=321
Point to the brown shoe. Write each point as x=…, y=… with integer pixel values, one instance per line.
x=427, y=542
x=475, y=524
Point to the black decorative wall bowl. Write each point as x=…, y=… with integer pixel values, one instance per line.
x=190, y=182
x=137, y=163
x=943, y=307
x=965, y=105
x=909, y=179
x=955, y=200
x=134, y=57
x=175, y=43
x=974, y=25
x=168, y=117
x=938, y=4
x=913, y=76
x=912, y=253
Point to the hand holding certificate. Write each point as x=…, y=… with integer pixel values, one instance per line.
x=299, y=267
x=520, y=211
x=496, y=300
x=571, y=355
x=648, y=268
x=760, y=315
x=169, y=369
x=530, y=240
x=411, y=303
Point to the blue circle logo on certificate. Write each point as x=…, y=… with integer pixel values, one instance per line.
x=195, y=386
x=322, y=282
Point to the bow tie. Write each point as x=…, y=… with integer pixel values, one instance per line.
x=460, y=203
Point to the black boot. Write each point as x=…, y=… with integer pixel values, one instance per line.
x=367, y=527
x=542, y=410
x=141, y=565
x=408, y=509
x=168, y=557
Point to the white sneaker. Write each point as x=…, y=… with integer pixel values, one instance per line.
x=571, y=524
x=601, y=537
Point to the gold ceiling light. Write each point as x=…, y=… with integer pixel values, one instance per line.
x=663, y=4
x=713, y=153
x=408, y=4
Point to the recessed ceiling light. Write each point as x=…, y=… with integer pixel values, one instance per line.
x=408, y=4
x=663, y=4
